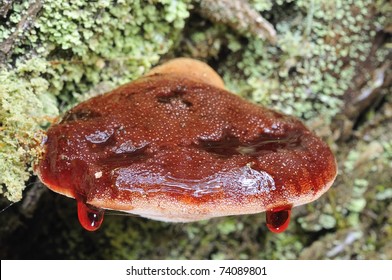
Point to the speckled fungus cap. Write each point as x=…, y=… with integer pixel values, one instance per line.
x=176, y=146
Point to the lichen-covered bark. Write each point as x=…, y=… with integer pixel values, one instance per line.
x=54, y=52
x=330, y=66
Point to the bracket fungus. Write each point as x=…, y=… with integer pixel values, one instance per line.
x=175, y=146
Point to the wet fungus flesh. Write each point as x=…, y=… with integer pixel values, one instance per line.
x=175, y=146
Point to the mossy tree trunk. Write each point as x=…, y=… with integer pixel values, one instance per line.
x=329, y=63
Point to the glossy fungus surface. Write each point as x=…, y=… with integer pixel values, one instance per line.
x=172, y=147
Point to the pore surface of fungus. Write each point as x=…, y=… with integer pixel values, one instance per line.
x=176, y=146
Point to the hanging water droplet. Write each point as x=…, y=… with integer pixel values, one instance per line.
x=90, y=217
x=278, y=219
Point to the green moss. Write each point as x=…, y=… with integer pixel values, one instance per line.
x=70, y=49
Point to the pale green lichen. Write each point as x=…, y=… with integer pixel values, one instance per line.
x=24, y=104
x=306, y=73
x=315, y=223
x=387, y=155
x=327, y=221
x=383, y=193
x=261, y=5
x=314, y=62
x=70, y=48
x=113, y=43
x=349, y=163
x=282, y=246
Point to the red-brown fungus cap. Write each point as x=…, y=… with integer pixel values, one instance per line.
x=176, y=146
